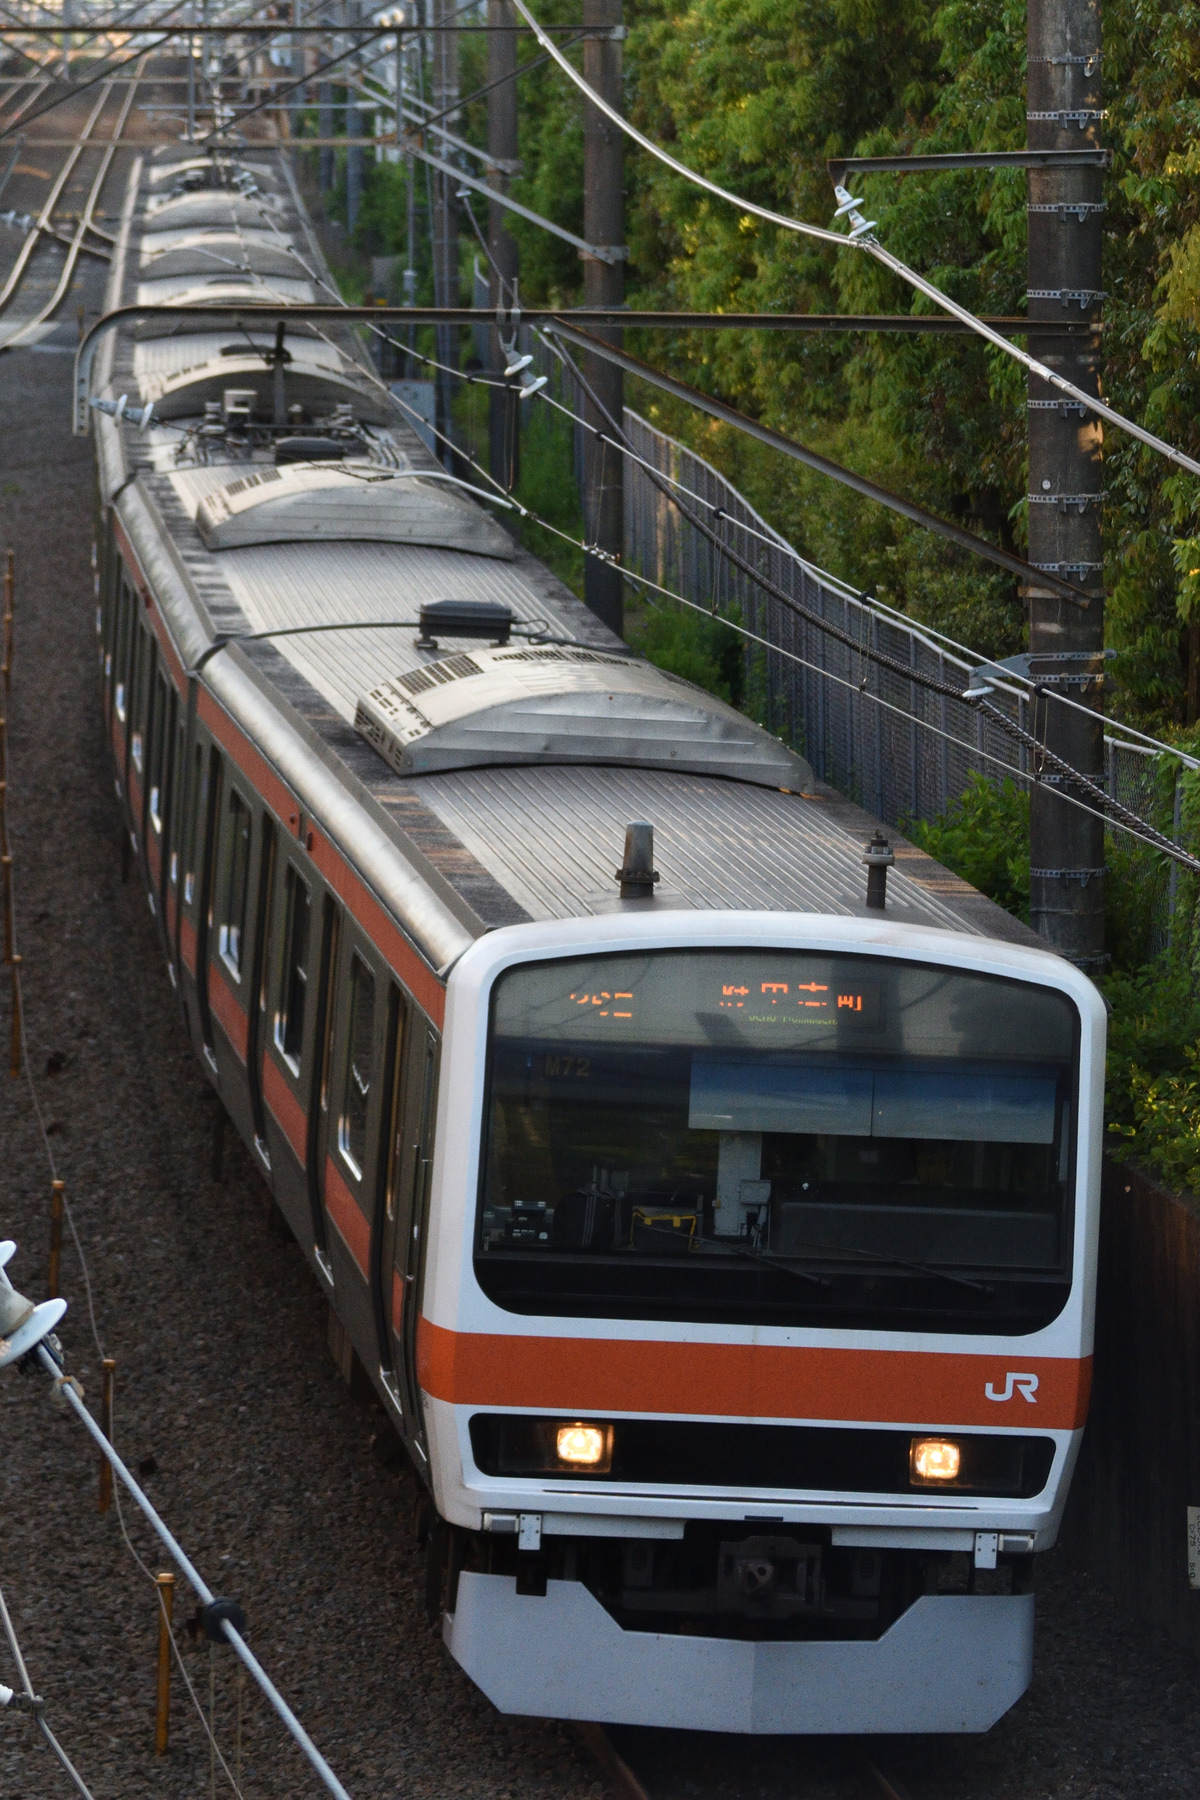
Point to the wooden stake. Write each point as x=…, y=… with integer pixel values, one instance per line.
x=15, y=1060
x=106, y=1400
x=56, y=1219
x=6, y=882
x=8, y=620
x=162, y=1718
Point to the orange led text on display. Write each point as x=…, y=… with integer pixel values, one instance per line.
x=605, y=1004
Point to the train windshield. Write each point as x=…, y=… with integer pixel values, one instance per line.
x=778, y=1136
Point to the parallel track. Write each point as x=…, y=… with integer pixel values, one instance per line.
x=43, y=232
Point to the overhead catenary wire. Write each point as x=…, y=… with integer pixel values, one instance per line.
x=1105, y=807
x=79, y=87
x=972, y=750
x=862, y=239
x=773, y=541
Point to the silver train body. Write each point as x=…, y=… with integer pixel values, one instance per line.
x=723, y=1257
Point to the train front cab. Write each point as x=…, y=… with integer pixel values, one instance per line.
x=756, y=1330
x=315, y=1019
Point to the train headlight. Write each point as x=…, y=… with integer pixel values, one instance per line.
x=583, y=1446
x=932, y=1461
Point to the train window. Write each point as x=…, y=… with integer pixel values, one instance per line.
x=289, y=1020
x=352, y=1126
x=758, y=1135
x=232, y=923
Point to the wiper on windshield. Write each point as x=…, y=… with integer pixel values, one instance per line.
x=893, y=1262
x=706, y=1246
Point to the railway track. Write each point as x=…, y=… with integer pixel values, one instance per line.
x=40, y=276
x=856, y=1773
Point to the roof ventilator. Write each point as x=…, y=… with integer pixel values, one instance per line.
x=878, y=856
x=464, y=619
x=637, y=874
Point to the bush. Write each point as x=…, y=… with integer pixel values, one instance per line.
x=984, y=837
x=1152, y=1099
x=692, y=645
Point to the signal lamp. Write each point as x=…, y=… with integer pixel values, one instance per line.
x=932, y=1461
x=583, y=1446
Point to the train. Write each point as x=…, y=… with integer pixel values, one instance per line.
x=707, y=1184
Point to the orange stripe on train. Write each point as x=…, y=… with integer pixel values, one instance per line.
x=288, y=1112
x=347, y=1215
x=752, y=1381
x=227, y=1009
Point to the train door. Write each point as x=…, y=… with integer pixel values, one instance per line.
x=126, y=619
x=110, y=595
x=351, y=1129
x=292, y=1048
x=151, y=706
x=135, y=759
x=228, y=972
x=259, y=994
x=208, y=812
x=176, y=830
x=160, y=732
x=401, y=1259
x=162, y=788
x=321, y=1077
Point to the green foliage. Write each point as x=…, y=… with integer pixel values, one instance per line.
x=1152, y=1099
x=547, y=487
x=698, y=648
x=984, y=837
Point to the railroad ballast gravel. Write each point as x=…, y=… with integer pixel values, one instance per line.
x=287, y=1492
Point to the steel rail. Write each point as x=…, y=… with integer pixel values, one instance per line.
x=76, y=244
x=39, y=86
x=27, y=249
x=595, y=1738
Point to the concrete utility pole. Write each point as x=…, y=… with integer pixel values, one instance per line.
x=504, y=442
x=604, y=285
x=445, y=216
x=1065, y=470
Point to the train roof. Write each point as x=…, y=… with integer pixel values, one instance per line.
x=476, y=782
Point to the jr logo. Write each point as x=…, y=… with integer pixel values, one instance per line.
x=1025, y=1385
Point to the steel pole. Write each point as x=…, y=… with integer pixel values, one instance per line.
x=445, y=214
x=354, y=152
x=604, y=285
x=1065, y=471
x=503, y=437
